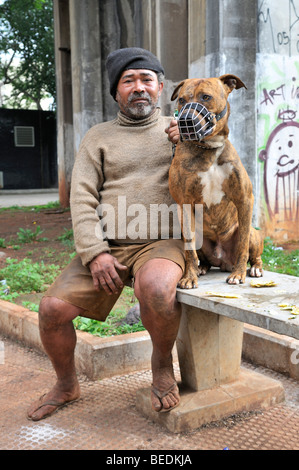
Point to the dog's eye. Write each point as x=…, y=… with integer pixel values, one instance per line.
x=182, y=101
x=206, y=97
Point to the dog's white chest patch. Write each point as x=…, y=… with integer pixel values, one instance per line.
x=212, y=181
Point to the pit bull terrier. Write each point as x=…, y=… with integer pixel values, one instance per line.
x=207, y=170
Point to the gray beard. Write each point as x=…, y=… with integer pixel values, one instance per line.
x=140, y=110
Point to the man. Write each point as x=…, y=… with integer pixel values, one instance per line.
x=125, y=160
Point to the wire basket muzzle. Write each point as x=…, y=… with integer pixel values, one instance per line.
x=195, y=122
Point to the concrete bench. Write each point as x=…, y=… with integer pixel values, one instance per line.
x=209, y=345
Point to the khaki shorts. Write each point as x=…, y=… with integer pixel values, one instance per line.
x=75, y=284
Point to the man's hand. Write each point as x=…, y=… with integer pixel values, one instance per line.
x=104, y=274
x=173, y=132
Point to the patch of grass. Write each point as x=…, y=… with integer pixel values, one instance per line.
x=26, y=277
x=49, y=205
x=279, y=260
x=110, y=327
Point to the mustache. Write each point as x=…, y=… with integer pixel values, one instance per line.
x=134, y=96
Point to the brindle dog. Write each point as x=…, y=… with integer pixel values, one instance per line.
x=209, y=172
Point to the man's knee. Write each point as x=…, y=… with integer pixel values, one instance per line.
x=54, y=312
x=156, y=294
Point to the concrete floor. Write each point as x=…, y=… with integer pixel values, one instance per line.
x=105, y=418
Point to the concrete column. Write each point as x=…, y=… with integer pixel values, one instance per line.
x=65, y=148
x=86, y=66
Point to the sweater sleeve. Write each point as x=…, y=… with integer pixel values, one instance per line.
x=87, y=181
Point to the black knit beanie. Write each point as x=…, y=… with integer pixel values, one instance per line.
x=129, y=58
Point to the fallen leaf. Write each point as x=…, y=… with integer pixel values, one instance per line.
x=293, y=308
x=226, y=296
x=263, y=284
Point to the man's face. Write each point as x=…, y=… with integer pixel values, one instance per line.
x=138, y=92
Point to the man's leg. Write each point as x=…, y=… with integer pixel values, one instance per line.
x=155, y=288
x=59, y=340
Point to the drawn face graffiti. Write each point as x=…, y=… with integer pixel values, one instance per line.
x=281, y=171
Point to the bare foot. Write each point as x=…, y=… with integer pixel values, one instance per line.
x=52, y=401
x=165, y=392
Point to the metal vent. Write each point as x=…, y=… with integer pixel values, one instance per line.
x=24, y=136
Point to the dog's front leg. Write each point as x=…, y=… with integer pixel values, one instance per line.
x=188, y=227
x=238, y=274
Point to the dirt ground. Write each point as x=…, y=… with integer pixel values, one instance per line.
x=52, y=222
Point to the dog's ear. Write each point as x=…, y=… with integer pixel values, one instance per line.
x=176, y=90
x=232, y=81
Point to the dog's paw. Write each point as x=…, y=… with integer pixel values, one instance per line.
x=256, y=271
x=203, y=269
x=188, y=282
x=236, y=278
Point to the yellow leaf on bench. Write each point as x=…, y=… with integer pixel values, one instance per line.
x=293, y=308
x=263, y=284
x=226, y=296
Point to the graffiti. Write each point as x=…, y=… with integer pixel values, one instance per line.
x=282, y=37
x=281, y=175
x=278, y=142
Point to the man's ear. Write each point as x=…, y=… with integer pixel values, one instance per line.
x=176, y=90
x=161, y=86
x=232, y=82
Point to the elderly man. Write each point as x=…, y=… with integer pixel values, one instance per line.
x=126, y=159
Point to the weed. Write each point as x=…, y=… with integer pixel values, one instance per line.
x=26, y=235
x=67, y=238
x=2, y=243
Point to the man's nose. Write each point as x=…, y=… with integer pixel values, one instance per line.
x=139, y=86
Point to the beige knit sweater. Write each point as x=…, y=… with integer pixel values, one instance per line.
x=120, y=163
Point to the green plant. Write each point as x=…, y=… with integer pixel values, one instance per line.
x=107, y=328
x=2, y=243
x=25, y=276
x=31, y=306
x=26, y=235
x=67, y=238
